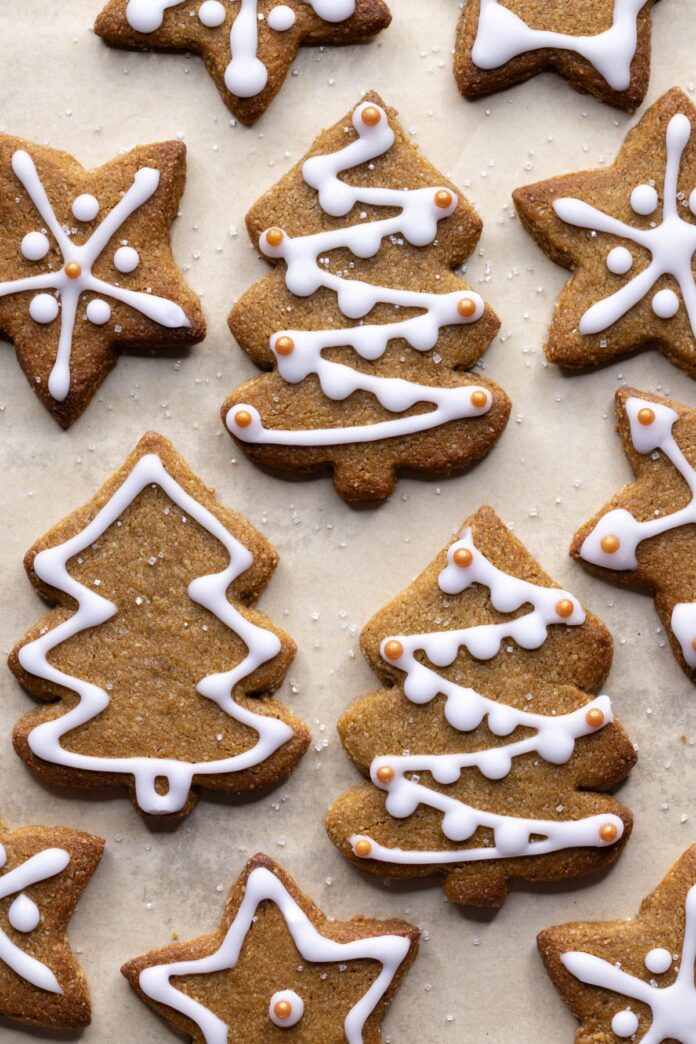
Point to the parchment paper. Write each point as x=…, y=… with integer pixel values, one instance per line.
x=478, y=977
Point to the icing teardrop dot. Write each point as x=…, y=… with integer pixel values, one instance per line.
x=24, y=915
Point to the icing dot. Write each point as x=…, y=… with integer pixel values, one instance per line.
x=98, y=312
x=624, y=1023
x=286, y=1008
x=24, y=914
x=85, y=208
x=658, y=960
x=644, y=199
x=43, y=308
x=665, y=304
x=619, y=261
x=35, y=246
x=211, y=13
x=126, y=259
x=281, y=18
x=3, y=855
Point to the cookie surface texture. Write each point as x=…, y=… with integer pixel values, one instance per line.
x=643, y=538
x=278, y=969
x=248, y=45
x=602, y=47
x=86, y=267
x=156, y=668
x=628, y=233
x=366, y=330
x=632, y=979
x=43, y=873
x=486, y=754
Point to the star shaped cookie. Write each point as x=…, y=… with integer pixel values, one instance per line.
x=632, y=979
x=276, y=963
x=602, y=47
x=628, y=233
x=644, y=536
x=248, y=45
x=43, y=872
x=86, y=267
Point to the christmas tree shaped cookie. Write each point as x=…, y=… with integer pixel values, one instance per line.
x=366, y=331
x=485, y=751
x=248, y=45
x=628, y=233
x=602, y=47
x=644, y=537
x=633, y=979
x=156, y=666
x=278, y=969
x=86, y=267
x=43, y=873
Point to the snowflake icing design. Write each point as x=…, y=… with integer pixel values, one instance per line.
x=673, y=1007
x=75, y=278
x=671, y=243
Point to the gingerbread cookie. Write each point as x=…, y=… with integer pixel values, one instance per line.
x=484, y=749
x=248, y=45
x=602, y=47
x=86, y=267
x=632, y=979
x=277, y=969
x=643, y=537
x=366, y=329
x=157, y=667
x=43, y=873
x=628, y=233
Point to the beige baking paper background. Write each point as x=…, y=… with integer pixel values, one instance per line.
x=478, y=977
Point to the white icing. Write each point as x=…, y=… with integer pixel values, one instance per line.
x=619, y=261
x=24, y=914
x=673, y=1007
x=43, y=308
x=658, y=961
x=85, y=208
x=502, y=35
x=622, y=524
x=553, y=739
x=624, y=1023
x=98, y=312
x=126, y=259
x=158, y=309
x=296, y=1004
x=281, y=18
x=388, y=950
x=35, y=246
x=417, y=221
x=208, y=591
x=246, y=75
x=671, y=242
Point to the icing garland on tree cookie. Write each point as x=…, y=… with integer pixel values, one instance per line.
x=298, y=353
x=75, y=277
x=613, y=542
x=502, y=35
x=286, y=1008
x=210, y=591
x=553, y=739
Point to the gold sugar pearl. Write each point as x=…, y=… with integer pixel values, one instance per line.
x=243, y=418
x=479, y=399
x=443, y=199
x=285, y=345
x=466, y=306
x=274, y=236
x=282, y=1009
x=393, y=650
x=610, y=544
x=608, y=833
x=565, y=608
x=594, y=717
x=385, y=774
x=646, y=416
x=462, y=557
x=363, y=849
x=370, y=115
x=73, y=270
x=693, y=644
